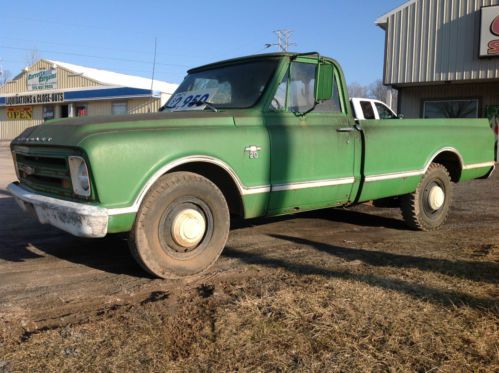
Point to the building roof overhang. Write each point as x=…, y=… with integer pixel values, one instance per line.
x=383, y=20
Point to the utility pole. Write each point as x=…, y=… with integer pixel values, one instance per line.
x=283, y=40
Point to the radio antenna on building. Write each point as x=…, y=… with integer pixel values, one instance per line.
x=283, y=40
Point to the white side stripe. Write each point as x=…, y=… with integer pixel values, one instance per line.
x=256, y=190
x=479, y=165
x=394, y=175
x=312, y=184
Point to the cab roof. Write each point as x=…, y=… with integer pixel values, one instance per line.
x=249, y=58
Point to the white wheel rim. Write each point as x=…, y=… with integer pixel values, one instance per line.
x=188, y=228
x=436, y=197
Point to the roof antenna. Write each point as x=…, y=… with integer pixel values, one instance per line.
x=153, y=71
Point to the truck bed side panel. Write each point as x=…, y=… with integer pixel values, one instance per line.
x=397, y=152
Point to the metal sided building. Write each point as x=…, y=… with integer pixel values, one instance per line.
x=443, y=58
x=52, y=89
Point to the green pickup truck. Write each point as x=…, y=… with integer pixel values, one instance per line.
x=254, y=136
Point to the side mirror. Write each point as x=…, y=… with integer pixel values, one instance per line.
x=323, y=82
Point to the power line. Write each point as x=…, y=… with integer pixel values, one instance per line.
x=124, y=70
x=71, y=24
x=94, y=56
x=94, y=46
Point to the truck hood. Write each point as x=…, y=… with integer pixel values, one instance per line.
x=72, y=131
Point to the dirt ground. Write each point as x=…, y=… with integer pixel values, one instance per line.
x=338, y=290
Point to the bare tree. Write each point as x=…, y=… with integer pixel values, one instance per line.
x=376, y=90
x=379, y=91
x=357, y=90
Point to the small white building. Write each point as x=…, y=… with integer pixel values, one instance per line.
x=52, y=89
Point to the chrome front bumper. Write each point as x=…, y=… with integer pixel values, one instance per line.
x=79, y=219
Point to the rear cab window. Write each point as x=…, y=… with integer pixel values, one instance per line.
x=367, y=110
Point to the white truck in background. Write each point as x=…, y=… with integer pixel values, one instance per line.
x=368, y=108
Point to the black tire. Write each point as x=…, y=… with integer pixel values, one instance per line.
x=420, y=211
x=158, y=240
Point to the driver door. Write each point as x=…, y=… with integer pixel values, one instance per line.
x=312, y=155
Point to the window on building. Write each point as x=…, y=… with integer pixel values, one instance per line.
x=296, y=91
x=367, y=110
x=384, y=112
x=81, y=110
x=451, y=109
x=48, y=112
x=119, y=108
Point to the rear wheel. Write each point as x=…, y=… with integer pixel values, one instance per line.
x=181, y=227
x=427, y=208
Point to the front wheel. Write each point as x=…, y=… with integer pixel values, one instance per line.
x=181, y=227
x=427, y=208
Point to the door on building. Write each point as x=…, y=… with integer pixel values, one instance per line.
x=64, y=111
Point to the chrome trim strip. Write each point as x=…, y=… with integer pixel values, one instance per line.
x=393, y=175
x=256, y=190
x=243, y=190
x=122, y=210
x=479, y=165
x=312, y=184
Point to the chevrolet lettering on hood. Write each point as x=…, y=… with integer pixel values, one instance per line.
x=19, y=140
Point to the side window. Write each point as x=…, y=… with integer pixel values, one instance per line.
x=333, y=105
x=367, y=109
x=384, y=112
x=279, y=101
x=301, y=87
x=296, y=91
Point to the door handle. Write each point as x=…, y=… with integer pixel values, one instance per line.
x=345, y=129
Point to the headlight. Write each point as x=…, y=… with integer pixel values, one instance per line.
x=79, y=176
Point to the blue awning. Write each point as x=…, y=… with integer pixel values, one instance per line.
x=32, y=98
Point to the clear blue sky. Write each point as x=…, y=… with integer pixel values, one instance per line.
x=119, y=36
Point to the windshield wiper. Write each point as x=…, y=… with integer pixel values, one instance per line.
x=208, y=105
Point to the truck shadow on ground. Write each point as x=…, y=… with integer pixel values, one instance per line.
x=438, y=296
x=23, y=238
x=487, y=272
x=30, y=240
x=339, y=215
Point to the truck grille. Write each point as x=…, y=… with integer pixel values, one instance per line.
x=48, y=174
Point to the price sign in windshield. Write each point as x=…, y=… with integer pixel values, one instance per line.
x=192, y=100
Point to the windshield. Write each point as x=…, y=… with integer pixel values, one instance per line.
x=235, y=86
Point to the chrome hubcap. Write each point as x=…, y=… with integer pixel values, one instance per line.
x=188, y=228
x=436, y=197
